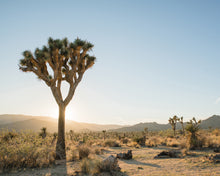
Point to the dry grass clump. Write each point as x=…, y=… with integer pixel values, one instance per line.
x=124, y=140
x=209, y=140
x=133, y=144
x=98, y=150
x=172, y=142
x=84, y=151
x=216, y=132
x=88, y=166
x=140, y=140
x=111, y=143
x=153, y=141
x=25, y=150
x=6, y=136
x=95, y=167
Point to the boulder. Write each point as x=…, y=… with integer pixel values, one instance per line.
x=125, y=156
x=167, y=154
x=217, y=150
x=109, y=164
x=214, y=158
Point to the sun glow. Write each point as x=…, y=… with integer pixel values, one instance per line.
x=70, y=113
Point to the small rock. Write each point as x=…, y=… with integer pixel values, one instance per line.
x=126, y=156
x=217, y=150
x=214, y=158
x=167, y=154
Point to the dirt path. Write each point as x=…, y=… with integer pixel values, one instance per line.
x=143, y=163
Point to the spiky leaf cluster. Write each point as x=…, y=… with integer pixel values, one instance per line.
x=173, y=121
x=68, y=60
x=193, y=126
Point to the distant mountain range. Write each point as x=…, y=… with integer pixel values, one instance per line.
x=35, y=123
x=213, y=122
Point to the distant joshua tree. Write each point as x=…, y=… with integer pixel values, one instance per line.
x=71, y=134
x=182, y=124
x=173, y=122
x=193, y=127
x=60, y=61
x=145, y=131
x=104, y=131
x=43, y=132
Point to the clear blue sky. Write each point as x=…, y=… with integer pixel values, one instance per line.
x=155, y=59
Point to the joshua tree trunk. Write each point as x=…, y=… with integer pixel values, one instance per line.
x=174, y=131
x=183, y=129
x=60, y=147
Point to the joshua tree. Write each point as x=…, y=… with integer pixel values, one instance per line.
x=146, y=131
x=173, y=122
x=71, y=134
x=60, y=61
x=193, y=127
x=43, y=132
x=104, y=131
x=181, y=121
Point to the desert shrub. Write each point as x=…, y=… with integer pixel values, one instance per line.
x=166, y=133
x=185, y=152
x=84, y=151
x=73, y=156
x=216, y=132
x=90, y=167
x=26, y=150
x=132, y=144
x=9, y=135
x=140, y=140
x=98, y=150
x=172, y=142
x=86, y=166
x=153, y=142
x=111, y=143
x=124, y=140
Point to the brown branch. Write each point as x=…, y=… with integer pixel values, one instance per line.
x=56, y=95
x=38, y=73
x=72, y=89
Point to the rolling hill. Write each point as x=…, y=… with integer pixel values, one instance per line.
x=213, y=122
x=35, y=123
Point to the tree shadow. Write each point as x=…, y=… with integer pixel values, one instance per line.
x=140, y=163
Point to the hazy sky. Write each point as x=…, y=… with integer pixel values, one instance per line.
x=155, y=59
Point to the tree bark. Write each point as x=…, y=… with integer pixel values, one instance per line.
x=60, y=147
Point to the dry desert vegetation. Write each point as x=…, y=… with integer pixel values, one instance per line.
x=106, y=153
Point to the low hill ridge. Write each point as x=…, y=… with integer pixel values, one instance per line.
x=35, y=123
x=213, y=122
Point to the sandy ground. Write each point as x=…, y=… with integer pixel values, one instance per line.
x=143, y=163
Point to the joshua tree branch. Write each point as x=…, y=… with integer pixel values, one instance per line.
x=72, y=89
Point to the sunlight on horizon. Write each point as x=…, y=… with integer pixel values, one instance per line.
x=70, y=113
